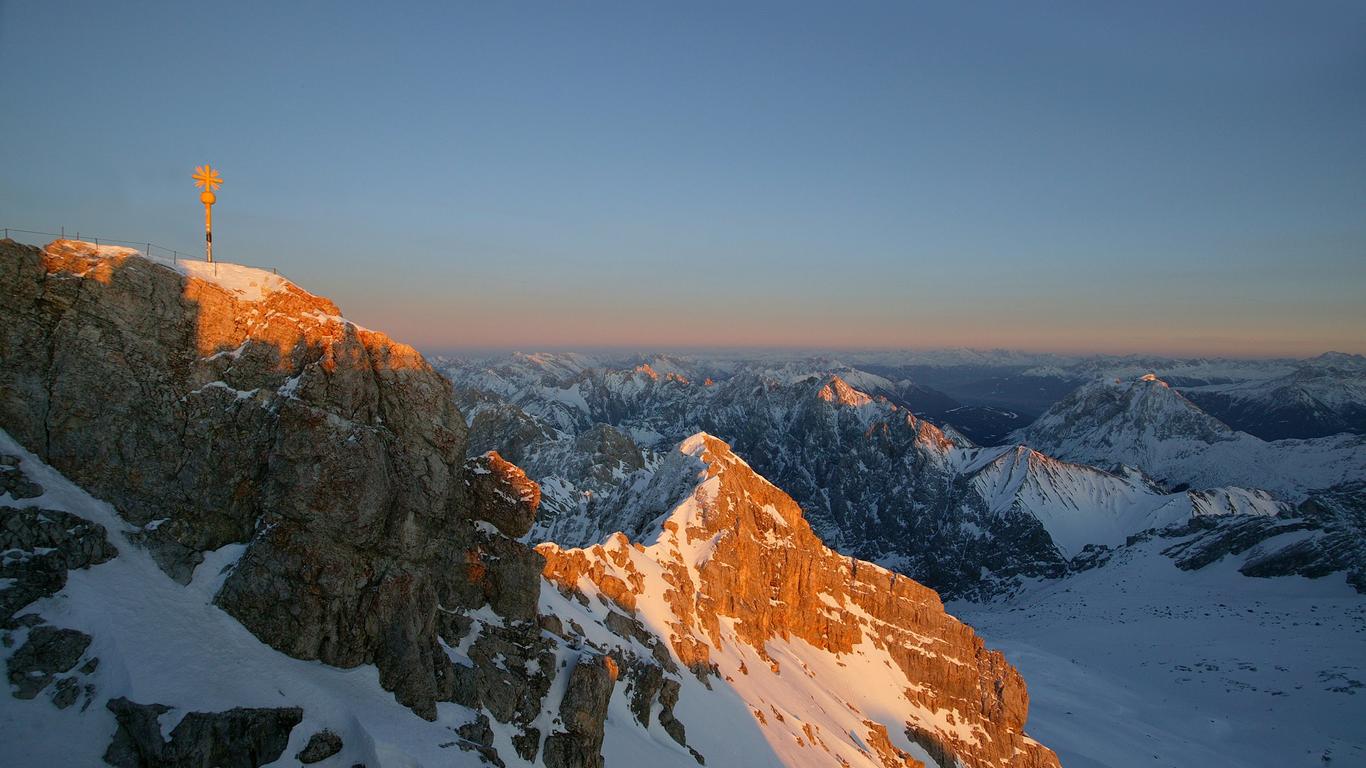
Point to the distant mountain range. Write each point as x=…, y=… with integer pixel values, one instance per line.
x=1146, y=424
x=878, y=482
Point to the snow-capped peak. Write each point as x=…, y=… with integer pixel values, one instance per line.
x=1149, y=425
x=836, y=390
x=829, y=655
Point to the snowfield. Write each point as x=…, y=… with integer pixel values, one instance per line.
x=1139, y=664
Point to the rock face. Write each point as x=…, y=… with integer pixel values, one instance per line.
x=237, y=738
x=1330, y=537
x=583, y=710
x=321, y=746
x=219, y=405
x=40, y=546
x=47, y=651
x=742, y=575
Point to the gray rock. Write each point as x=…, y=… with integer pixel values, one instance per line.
x=65, y=692
x=40, y=546
x=321, y=746
x=236, y=738
x=334, y=453
x=668, y=698
x=583, y=712
x=527, y=743
x=47, y=651
x=498, y=681
x=477, y=736
x=14, y=482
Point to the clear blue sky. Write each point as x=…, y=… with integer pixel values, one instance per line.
x=1161, y=176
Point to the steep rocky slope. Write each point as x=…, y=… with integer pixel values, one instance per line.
x=840, y=661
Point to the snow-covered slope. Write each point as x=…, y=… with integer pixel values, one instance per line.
x=1080, y=506
x=1195, y=668
x=1147, y=425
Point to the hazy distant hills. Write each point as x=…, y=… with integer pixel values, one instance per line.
x=1272, y=399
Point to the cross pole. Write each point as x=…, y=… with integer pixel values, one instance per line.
x=206, y=177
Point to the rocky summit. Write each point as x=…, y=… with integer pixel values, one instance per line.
x=242, y=530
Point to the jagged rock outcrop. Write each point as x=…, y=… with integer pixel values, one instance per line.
x=320, y=746
x=14, y=482
x=47, y=651
x=742, y=575
x=39, y=546
x=503, y=494
x=216, y=404
x=237, y=738
x=582, y=711
x=1331, y=538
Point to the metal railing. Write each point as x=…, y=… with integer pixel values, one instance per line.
x=149, y=249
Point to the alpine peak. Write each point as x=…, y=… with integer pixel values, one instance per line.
x=837, y=390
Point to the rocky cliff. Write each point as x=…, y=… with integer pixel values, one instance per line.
x=222, y=405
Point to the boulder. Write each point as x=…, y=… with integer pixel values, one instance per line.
x=321, y=746
x=40, y=546
x=503, y=494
